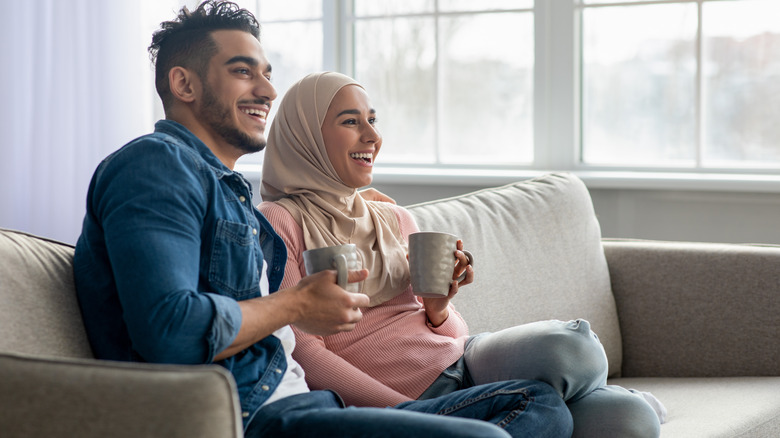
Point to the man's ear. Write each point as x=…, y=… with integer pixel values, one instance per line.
x=184, y=84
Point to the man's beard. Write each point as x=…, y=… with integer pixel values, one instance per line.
x=217, y=117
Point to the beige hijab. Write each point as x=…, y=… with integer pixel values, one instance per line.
x=298, y=175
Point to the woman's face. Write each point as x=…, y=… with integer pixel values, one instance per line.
x=351, y=137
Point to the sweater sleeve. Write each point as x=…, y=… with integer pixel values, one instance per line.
x=324, y=369
x=454, y=326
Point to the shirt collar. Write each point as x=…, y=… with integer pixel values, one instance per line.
x=178, y=130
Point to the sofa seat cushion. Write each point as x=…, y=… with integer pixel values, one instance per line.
x=39, y=311
x=538, y=252
x=714, y=406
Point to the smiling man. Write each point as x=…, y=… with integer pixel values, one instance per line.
x=175, y=265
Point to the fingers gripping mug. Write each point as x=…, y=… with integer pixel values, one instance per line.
x=342, y=258
x=431, y=263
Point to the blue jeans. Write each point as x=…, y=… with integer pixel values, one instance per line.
x=568, y=356
x=517, y=409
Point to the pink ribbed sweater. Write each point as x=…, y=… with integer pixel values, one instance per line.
x=393, y=354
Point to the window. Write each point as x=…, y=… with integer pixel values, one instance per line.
x=293, y=38
x=513, y=86
x=452, y=80
x=690, y=84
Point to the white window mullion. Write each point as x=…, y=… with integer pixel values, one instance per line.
x=556, y=76
x=437, y=86
x=699, y=123
x=542, y=86
x=332, y=34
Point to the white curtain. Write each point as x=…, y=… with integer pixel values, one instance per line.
x=76, y=83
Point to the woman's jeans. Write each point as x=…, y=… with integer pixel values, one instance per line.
x=569, y=357
x=507, y=409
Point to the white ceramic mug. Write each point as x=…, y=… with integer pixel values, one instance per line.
x=432, y=261
x=342, y=258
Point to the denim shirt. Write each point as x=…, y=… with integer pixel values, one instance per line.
x=170, y=243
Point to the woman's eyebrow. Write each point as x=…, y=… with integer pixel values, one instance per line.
x=354, y=112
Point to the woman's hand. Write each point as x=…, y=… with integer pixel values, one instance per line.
x=437, y=308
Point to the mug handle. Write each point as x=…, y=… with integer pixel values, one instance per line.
x=340, y=264
x=471, y=262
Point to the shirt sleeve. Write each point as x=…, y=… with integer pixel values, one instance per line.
x=151, y=201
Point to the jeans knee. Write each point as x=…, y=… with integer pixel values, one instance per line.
x=643, y=422
x=573, y=358
x=614, y=411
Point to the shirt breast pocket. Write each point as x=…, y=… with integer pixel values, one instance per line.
x=234, y=260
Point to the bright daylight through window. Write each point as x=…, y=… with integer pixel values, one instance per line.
x=691, y=84
x=672, y=85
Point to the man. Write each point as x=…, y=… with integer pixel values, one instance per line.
x=175, y=265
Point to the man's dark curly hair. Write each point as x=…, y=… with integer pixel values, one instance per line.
x=187, y=42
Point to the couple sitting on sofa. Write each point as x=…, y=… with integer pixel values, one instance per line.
x=175, y=265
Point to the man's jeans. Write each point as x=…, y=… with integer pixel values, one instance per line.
x=514, y=408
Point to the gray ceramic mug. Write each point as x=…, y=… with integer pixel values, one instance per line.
x=432, y=261
x=342, y=258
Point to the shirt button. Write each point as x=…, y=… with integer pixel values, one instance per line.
x=254, y=231
x=241, y=198
x=265, y=387
x=245, y=414
x=278, y=371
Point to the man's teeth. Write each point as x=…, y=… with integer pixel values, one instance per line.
x=362, y=156
x=254, y=112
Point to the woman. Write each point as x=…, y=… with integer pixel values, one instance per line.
x=321, y=149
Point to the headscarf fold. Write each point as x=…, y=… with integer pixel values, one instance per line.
x=298, y=175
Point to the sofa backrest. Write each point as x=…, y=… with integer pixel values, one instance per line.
x=39, y=312
x=538, y=255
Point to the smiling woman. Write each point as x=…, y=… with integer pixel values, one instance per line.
x=351, y=136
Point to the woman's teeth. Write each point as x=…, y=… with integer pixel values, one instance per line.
x=365, y=156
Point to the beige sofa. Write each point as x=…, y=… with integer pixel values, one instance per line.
x=695, y=324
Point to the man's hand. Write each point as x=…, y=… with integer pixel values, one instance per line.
x=324, y=307
x=316, y=305
x=372, y=194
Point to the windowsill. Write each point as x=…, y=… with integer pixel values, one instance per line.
x=594, y=179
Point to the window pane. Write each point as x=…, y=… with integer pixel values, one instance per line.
x=374, y=7
x=294, y=50
x=275, y=10
x=638, y=86
x=741, y=74
x=394, y=60
x=484, y=5
x=487, y=88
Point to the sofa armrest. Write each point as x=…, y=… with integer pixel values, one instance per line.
x=91, y=398
x=696, y=309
